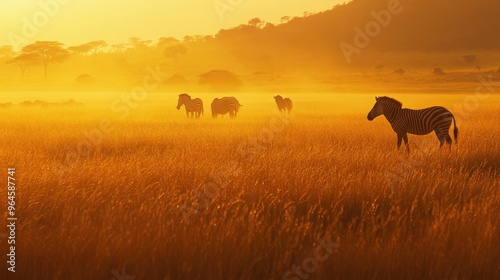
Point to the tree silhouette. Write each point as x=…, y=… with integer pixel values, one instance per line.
x=25, y=61
x=118, y=48
x=400, y=71
x=438, y=71
x=97, y=45
x=47, y=51
x=285, y=19
x=220, y=80
x=6, y=52
x=81, y=49
x=256, y=22
x=139, y=44
x=174, y=51
x=164, y=42
x=470, y=58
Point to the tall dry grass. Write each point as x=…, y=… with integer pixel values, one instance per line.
x=432, y=214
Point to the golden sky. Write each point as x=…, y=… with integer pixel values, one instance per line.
x=79, y=21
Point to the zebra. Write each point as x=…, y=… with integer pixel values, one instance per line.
x=419, y=122
x=283, y=104
x=225, y=105
x=193, y=106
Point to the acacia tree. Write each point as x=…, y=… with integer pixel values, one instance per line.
x=6, y=52
x=174, y=51
x=164, y=42
x=139, y=44
x=118, y=48
x=25, y=61
x=80, y=49
x=97, y=45
x=47, y=51
x=220, y=80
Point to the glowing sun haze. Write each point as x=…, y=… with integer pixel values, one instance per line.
x=80, y=21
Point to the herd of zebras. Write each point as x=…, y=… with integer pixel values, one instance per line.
x=222, y=106
x=402, y=120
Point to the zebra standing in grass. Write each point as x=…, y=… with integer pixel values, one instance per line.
x=225, y=105
x=193, y=106
x=419, y=122
x=283, y=104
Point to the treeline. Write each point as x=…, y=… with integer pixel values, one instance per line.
x=400, y=40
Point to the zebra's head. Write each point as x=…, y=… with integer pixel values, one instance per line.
x=376, y=111
x=278, y=98
x=182, y=100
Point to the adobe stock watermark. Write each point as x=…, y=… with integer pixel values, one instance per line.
x=462, y=111
x=247, y=151
x=363, y=37
x=223, y=6
x=323, y=250
x=47, y=9
x=122, y=108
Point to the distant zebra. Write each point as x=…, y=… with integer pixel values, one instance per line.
x=225, y=105
x=283, y=104
x=419, y=122
x=193, y=106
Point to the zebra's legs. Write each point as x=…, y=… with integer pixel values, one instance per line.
x=443, y=137
x=403, y=136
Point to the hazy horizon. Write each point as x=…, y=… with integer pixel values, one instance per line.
x=69, y=21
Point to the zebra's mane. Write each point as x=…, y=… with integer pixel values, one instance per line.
x=390, y=100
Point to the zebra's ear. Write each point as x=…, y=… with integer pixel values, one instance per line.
x=376, y=98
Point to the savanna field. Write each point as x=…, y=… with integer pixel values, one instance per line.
x=321, y=193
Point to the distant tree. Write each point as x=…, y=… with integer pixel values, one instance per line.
x=97, y=45
x=479, y=68
x=6, y=52
x=81, y=49
x=175, y=51
x=175, y=80
x=47, y=51
x=220, y=80
x=285, y=19
x=256, y=22
x=379, y=67
x=188, y=39
x=139, y=44
x=400, y=71
x=118, y=48
x=84, y=80
x=470, y=58
x=25, y=61
x=164, y=42
x=438, y=71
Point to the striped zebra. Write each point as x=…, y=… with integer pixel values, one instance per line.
x=283, y=104
x=225, y=105
x=419, y=122
x=193, y=106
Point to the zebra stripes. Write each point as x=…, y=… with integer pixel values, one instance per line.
x=419, y=122
x=193, y=106
x=283, y=104
x=225, y=105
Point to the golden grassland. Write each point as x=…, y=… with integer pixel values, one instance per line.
x=170, y=198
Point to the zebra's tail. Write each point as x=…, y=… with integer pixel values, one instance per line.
x=202, y=111
x=455, y=129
